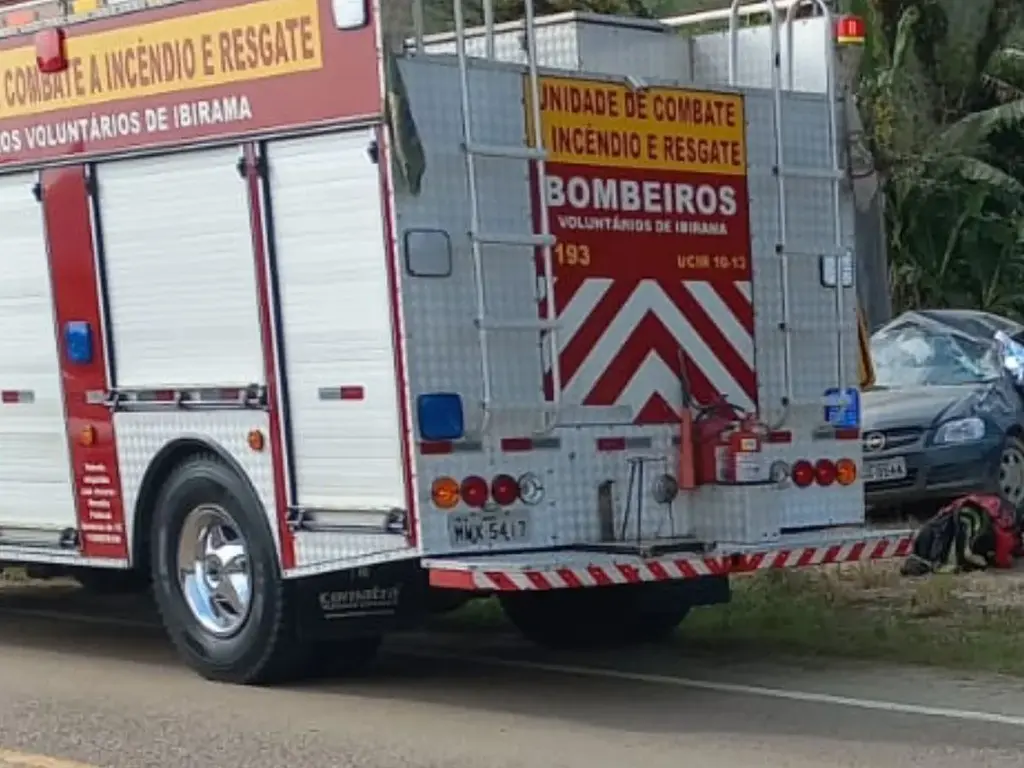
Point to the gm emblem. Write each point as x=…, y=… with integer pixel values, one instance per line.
x=874, y=441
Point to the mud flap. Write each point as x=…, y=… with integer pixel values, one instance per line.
x=369, y=600
x=708, y=590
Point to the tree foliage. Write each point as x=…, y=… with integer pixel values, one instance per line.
x=942, y=97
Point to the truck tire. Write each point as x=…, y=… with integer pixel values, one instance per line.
x=216, y=577
x=596, y=617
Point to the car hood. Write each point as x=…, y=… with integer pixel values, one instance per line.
x=884, y=408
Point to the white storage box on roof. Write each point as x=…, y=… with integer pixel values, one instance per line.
x=601, y=45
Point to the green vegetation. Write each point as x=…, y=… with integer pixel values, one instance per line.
x=942, y=97
x=859, y=612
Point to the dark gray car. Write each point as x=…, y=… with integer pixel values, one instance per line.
x=944, y=418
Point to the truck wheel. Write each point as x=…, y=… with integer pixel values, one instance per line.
x=216, y=577
x=596, y=617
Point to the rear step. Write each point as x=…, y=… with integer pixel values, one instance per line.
x=582, y=567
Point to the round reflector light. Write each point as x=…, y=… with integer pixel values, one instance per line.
x=531, y=489
x=444, y=492
x=825, y=472
x=504, y=490
x=474, y=491
x=802, y=473
x=846, y=471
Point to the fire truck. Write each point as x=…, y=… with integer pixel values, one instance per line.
x=316, y=326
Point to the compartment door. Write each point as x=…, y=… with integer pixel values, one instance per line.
x=328, y=240
x=35, y=470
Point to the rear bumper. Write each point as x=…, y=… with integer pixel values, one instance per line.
x=576, y=569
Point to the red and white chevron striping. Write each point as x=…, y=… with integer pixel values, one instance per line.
x=621, y=342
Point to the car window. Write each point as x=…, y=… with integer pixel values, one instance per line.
x=907, y=355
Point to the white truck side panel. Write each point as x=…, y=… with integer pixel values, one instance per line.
x=442, y=341
x=339, y=356
x=35, y=470
x=141, y=436
x=180, y=271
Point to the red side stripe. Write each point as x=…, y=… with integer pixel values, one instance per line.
x=452, y=580
x=270, y=363
x=516, y=444
x=76, y=298
x=609, y=444
x=353, y=392
x=436, y=448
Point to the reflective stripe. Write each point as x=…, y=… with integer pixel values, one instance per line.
x=16, y=397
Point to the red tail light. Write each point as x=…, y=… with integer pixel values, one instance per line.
x=474, y=491
x=504, y=490
x=802, y=473
x=825, y=472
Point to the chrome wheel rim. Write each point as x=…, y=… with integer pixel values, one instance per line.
x=1011, y=475
x=214, y=571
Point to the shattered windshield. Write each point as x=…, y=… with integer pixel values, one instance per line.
x=909, y=356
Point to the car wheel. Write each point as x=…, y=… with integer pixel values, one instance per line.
x=216, y=577
x=1011, y=472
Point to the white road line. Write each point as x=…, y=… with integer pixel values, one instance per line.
x=26, y=760
x=806, y=697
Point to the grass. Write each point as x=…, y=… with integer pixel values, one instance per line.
x=967, y=621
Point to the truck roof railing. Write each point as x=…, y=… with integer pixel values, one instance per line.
x=25, y=15
x=25, y=12
x=744, y=11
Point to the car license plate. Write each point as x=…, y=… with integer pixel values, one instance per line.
x=474, y=529
x=889, y=469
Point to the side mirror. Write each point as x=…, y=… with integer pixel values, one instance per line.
x=350, y=14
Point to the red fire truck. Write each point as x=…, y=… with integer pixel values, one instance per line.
x=315, y=329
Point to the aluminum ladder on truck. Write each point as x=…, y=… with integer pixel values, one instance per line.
x=481, y=240
x=781, y=171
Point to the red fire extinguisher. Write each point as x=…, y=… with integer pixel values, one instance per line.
x=709, y=432
x=738, y=454
x=708, y=436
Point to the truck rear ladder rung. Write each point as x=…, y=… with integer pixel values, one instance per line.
x=489, y=324
x=541, y=238
x=509, y=152
x=518, y=239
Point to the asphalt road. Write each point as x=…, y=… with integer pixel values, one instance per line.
x=100, y=694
